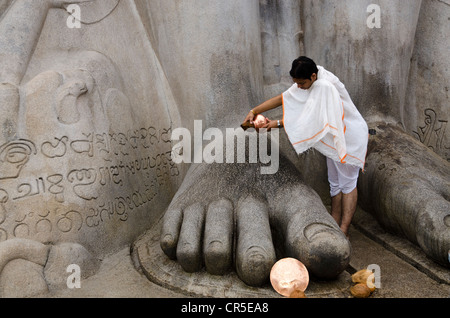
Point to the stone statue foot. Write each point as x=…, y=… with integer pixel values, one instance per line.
x=406, y=186
x=227, y=216
x=29, y=268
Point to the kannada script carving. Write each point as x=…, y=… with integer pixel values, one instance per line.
x=432, y=134
x=88, y=180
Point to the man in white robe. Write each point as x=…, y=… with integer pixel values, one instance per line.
x=319, y=113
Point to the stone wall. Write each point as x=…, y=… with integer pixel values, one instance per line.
x=87, y=113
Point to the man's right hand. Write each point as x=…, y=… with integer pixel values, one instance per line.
x=250, y=117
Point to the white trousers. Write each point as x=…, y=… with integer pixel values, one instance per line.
x=342, y=177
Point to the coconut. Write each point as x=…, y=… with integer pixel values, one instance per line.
x=360, y=290
x=364, y=276
x=297, y=294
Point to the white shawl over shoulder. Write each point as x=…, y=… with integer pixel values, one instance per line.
x=324, y=117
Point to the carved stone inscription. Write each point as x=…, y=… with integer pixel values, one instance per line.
x=433, y=133
x=83, y=182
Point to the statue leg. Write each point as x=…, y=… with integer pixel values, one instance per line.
x=406, y=186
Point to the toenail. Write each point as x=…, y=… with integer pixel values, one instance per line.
x=168, y=239
x=215, y=248
x=255, y=256
x=447, y=220
x=317, y=230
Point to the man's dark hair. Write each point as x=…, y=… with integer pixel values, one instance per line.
x=303, y=68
